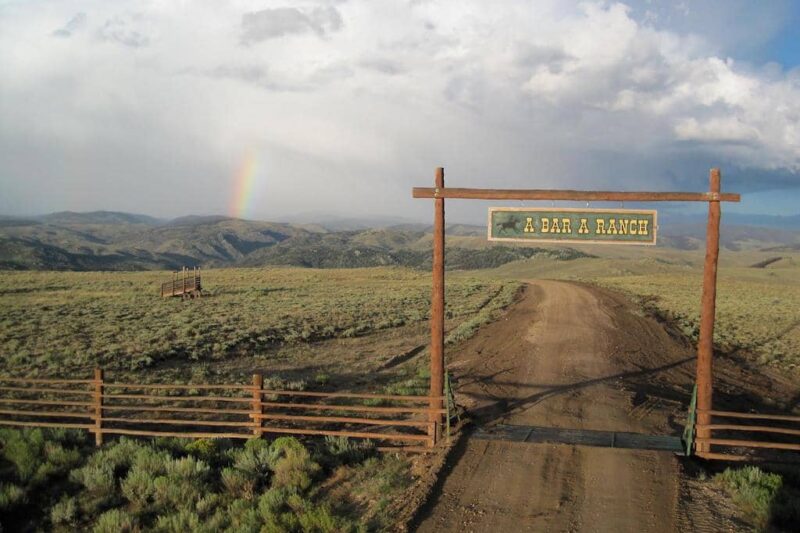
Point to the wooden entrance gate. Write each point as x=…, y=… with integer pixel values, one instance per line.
x=705, y=348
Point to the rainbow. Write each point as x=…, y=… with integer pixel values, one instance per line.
x=243, y=182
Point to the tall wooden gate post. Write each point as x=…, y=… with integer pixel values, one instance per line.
x=705, y=343
x=97, y=398
x=437, y=308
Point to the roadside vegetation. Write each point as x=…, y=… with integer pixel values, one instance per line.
x=54, y=480
x=300, y=328
x=765, y=498
x=68, y=322
x=758, y=310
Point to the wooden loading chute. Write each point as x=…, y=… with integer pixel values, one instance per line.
x=186, y=286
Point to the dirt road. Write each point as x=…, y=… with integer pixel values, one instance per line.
x=567, y=356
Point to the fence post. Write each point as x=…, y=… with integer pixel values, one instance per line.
x=705, y=342
x=437, y=310
x=98, y=406
x=258, y=387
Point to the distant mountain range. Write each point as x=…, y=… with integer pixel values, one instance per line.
x=787, y=222
x=106, y=240
x=122, y=241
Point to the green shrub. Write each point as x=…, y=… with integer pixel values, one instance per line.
x=181, y=522
x=115, y=521
x=138, y=487
x=752, y=489
x=167, y=495
x=251, y=468
x=319, y=519
x=10, y=495
x=23, y=449
x=343, y=450
x=174, y=445
x=150, y=460
x=238, y=483
x=183, y=484
x=97, y=478
x=118, y=456
x=62, y=458
x=272, y=502
x=188, y=469
x=208, y=504
x=279, y=446
x=292, y=466
x=205, y=449
x=243, y=517
x=64, y=512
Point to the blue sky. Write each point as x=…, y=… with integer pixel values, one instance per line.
x=781, y=45
x=343, y=106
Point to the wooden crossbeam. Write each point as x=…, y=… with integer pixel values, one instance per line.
x=573, y=195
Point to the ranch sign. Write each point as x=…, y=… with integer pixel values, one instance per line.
x=618, y=226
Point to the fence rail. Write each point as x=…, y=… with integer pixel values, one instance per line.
x=747, y=431
x=234, y=411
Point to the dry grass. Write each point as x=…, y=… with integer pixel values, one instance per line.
x=67, y=322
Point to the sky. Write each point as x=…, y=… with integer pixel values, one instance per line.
x=274, y=110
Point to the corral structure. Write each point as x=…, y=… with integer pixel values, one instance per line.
x=186, y=286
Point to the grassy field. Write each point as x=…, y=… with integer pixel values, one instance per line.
x=301, y=328
x=758, y=310
x=326, y=329
x=69, y=322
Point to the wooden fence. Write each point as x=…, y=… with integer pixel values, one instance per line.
x=236, y=411
x=740, y=431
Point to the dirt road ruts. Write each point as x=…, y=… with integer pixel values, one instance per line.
x=566, y=356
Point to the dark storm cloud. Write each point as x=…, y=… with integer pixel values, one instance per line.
x=258, y=26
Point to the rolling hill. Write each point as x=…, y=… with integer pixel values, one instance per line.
x=121, y=241
x=106, y=240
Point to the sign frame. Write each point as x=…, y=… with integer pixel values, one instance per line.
x=652, y=212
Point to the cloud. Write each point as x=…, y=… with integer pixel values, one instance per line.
x=121, y=30
x=595, y=95
x=76, y=23
x=655, y=76
x=255, y=74
x=258, y=26
x=722, y=130
x=384, y=65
